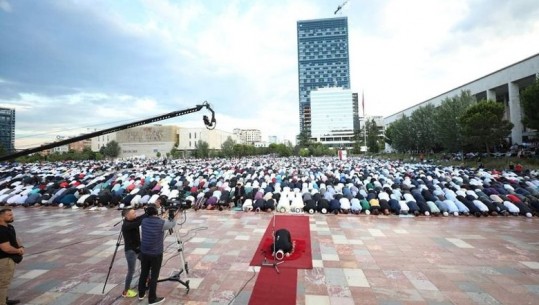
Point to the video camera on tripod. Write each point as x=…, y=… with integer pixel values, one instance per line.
x=174, y=206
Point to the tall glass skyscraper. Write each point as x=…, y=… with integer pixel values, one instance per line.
x=323, y=60
x=7, y=129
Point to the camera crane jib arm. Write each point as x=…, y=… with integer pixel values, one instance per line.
x=209, y=122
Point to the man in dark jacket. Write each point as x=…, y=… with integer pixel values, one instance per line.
x=151, y=252
x=131, y=235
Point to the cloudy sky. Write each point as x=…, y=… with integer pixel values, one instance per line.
x=69, y=66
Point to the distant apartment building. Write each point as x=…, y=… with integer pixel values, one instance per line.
x=261, y=144
x=248, y=136
x=60, y=149
x=189, y=138
x=378, y=120
x=79, y=146
x=102, y=141
x=7, y=129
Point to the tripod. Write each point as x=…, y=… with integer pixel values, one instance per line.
x=118, y=243
x=275, y=263
x=183, y=265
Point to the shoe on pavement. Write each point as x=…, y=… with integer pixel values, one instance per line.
x=129, y=293
x=157, y=301
x=12, y=302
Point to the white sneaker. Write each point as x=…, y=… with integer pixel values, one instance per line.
x=74, y=207
x=446, y=214
x=368, y=212
x=61, y=205
x=93, y=208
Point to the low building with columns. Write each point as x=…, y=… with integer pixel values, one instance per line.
x=503, y=86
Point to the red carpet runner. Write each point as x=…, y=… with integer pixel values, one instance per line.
x=280, y=288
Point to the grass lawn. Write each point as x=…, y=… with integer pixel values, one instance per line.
x=489, y=163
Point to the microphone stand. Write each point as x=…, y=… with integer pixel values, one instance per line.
x=275, y=263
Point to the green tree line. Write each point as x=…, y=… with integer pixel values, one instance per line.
x=458, y=124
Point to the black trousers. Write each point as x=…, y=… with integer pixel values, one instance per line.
x=149, y=265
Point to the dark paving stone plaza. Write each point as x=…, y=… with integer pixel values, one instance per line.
x=385, y=260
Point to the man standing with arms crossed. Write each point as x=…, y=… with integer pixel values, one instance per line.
x=11, y=252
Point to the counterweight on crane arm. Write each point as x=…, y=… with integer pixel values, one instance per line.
x=209, y=122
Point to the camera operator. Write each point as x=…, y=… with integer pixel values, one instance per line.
x=151, y=252
x=131, y=234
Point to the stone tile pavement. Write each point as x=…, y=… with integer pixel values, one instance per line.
x=382, y=260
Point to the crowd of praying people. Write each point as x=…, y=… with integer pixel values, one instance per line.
x=323, y=185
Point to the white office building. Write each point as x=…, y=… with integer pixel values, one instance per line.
x=101, y=141
x=248, y=136
x=189, y=137
x=333, y=116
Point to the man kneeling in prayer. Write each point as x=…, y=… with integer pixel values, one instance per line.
x=284, y=246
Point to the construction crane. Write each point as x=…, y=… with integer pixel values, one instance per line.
x=209, y=122
x=340, y=7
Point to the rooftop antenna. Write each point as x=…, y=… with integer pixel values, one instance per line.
x=339, y=8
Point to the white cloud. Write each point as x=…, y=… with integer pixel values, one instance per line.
x=419, y=49
x=41, y=118
x=5, y=6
